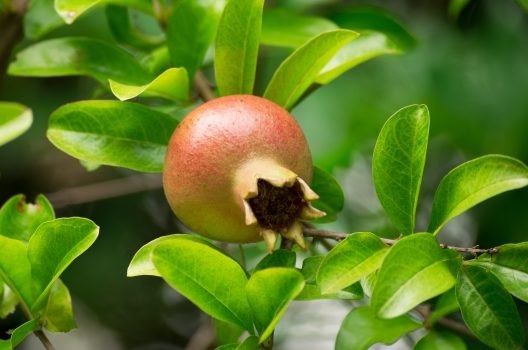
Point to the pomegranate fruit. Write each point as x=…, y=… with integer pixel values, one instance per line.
x=237, y=169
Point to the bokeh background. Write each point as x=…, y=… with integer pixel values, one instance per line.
x=471, y=71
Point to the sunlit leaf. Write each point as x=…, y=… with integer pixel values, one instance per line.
x=435, y=340
x=279, y=258
x=473, y=182
x=15, y=119
x=398, y=162
x=9, y=300
x=19, y=334
x=15, y=269
x=59, y=311
x=69, y=10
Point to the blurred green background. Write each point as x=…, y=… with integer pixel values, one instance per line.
x=471, y=71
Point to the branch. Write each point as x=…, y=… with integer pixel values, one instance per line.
x=203, y=87
x=338, y=236
x=44, y=340
x=11, y=27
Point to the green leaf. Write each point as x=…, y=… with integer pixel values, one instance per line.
x=19, y=219
x=250, y=343
x=398, y=162
x=40, y=19
x=415, y=270
x=207, y=277
x=114, y=133
x=15, y=269
x=523, y=4
x=157, y=61
x=227, y=333
x=435, y=340
x=19, y=334
x=78, y=56
x=9, y=301
x=279, y=258
x=196, y=19
x=15, y=119
x=456, y=7
x=236, y=49
x=70, y=10
x=53, y=247
x=473, y=182
x=331, y=198
x=488, y=309
x=310, y=267
x=285, y=28
x=357, y=256
x=446, y=304
x=172, y=84
x=361, y=329
x=510, y=265
x=125, y=32
x=269, y=293
x=142, y=264
x=380, y=34
x=299, y=70
x=59, y=311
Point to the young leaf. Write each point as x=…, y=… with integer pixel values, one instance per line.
x=473, y=182
x=236, y=49
x=279, y=258
x=398, y=162
x=125, y=32
x=113, y=133
x=197, y=20
x=440, y=341
x=510, y=265
x=15, y=269
x=53, y=247
x=488, y=309
x=172, y=84
x=15, y=119
x=40, y=19
x=78, y=56
x=19, y=334
x=59, y=311
x=269, y=292
x=357, y=256
x=415, y=270
x=207, y=277
x=362, y=328
x=69, y=10
x=8, y=300
x=331, y=198
x=446, y=304
x=299, y=70
x=19, y=219
x=285, y=28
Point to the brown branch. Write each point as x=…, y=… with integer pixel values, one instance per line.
x=338, y=236
x=203, y=87
x=44, y=340
x=104, y=190
x=11, y=27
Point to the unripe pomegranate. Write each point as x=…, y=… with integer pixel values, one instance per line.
x=237, y=170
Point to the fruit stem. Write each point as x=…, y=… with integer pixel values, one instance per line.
x=203, y=87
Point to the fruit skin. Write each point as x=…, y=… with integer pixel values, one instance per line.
x=218, y=151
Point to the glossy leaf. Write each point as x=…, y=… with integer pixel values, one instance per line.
x=70, y=10
x=59, y=310
x=398, y=162
x=78, y=56
x=53, y=247
x=361, y=329
x=196, y=19
x=488, y=309
x=227, y=333
x=19, y=334
x=357, y=256
x=157, y=60
x=15, y=269
x=207, y=277
x=510, y=265
x=269, y=293
x=41, y=18
x=435, y=340
x=473, y=182
x=142, y=264
x=446, y=304
x=415, y=270
x=299, y=70
x=125, y=32
x=285, y=28
x=331, y=198
x=279, y=258
x=310, y=267
x=19, y=219
x=113, y=133
x=15, y=119
x=236, y=49
x=172, y=84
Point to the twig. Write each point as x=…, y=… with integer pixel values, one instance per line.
x=338, y=236
x=104, y=190
x=11, y=27
x=455, y=326
x=44, y=340
x=204, y=336
x=203, y=87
